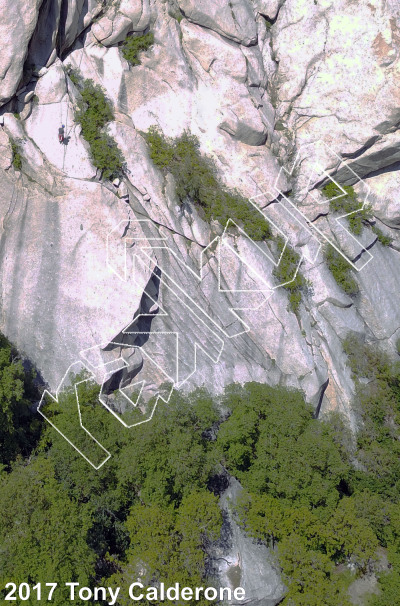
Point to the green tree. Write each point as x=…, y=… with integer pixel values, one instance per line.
x=16, y=155
x=167, y=545
x=389, y=583
x=259, y=434
x=18, y=427
x=310, y=575
x=288, y=274
x=347, y=535
x=42, y=531
x=172, y=454
x=198, y=523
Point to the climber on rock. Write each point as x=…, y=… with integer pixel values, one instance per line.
x=61, y=134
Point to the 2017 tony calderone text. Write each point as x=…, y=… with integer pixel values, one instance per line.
x=136, y=591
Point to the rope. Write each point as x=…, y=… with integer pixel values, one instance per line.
x=92, y=65
x=13, y=202
x=65, y=144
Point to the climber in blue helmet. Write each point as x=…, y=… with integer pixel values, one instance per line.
x=61, y=134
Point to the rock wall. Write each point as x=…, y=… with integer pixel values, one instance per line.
x=239, y=561
x=281, y=95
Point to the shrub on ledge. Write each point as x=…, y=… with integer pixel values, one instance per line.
x=346, y=204
x=16, y=156
x=341, y=271
x=94, y=113
x=134, y=45
x=196, y=180
x=284, y=272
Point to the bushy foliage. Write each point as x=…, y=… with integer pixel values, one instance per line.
x=106, y=156
x=312, y=491
x=42, y=531
x=169, y=545
x=100, y=518
x=94, y=110
x=348, y=203
x=341, y=271
x=196, y=180
x=378, y=402
x=389, y=583
x=178, y=16
x=93, y=114
x=313, y=504
x=289, y=275
x=134, y=45
x=377, y=486
x=266, y=423
x=18, y=428
x=16, y=156
x=382, y=238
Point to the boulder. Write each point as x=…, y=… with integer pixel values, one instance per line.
x=255, y=68
x=380, y=282
x=240, y=561
x=54, y=109
x=106, y=67
x=234, y=19
x=34, y=164
x=77, y=15
x=244, y=123
x=221, y=73
x=146, y=18
x=132, y=9
x=52, y=58
x=28, y=97
x=138, y=11
x=55, y=250
x=110, y=32
x=71, y=157
x=331, y=63
x=267, y=8
x=17, y=24
x=119, y=20
x=384, y=197
x=103, y=29
x=213, y=51
x=52, y=87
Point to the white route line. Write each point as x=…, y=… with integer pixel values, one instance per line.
x=145, y=255
x=322, y=172
x=56, y=399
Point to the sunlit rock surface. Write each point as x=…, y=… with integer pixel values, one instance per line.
x=260, y=84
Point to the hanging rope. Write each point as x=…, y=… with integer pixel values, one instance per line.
x=92, y=66
x=13, y=201
x=65, y=143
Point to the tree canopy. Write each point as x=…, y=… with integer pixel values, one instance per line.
x=325, y=501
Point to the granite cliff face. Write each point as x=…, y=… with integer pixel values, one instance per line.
x=282, y=95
